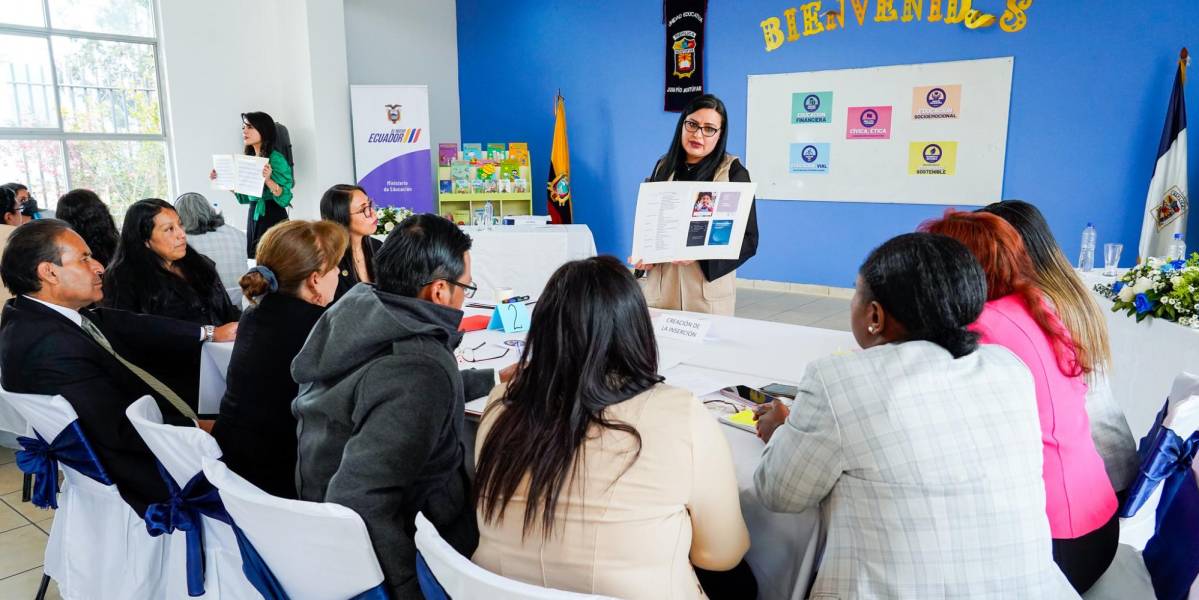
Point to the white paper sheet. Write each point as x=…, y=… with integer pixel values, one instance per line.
x=226, y=171
x=249, y=175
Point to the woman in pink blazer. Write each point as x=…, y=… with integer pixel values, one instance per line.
x=1080, y=501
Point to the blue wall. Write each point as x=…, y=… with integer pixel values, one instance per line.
x=1089, y=94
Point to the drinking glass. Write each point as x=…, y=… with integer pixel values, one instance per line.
x=1111, y=259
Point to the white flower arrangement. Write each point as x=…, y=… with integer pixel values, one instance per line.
x=1156, y=288
x=389, y=217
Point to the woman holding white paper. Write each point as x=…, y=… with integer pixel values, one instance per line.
x=269, y=208
x=697, y=154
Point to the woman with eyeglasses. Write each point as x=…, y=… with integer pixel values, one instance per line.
x=349, y=206
x=697, y=154
x=259, y=134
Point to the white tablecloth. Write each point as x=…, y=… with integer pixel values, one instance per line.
x=524, y=257
x=1146, y=357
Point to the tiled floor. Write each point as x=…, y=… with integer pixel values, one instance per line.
x=797, y=309
x=24, y=528
x=23, y=534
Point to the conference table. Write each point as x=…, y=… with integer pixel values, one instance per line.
x=1146, y=357
x=785, y=548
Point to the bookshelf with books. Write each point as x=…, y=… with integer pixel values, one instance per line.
x=471, y=175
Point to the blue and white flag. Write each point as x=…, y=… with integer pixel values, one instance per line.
x=1166, y=206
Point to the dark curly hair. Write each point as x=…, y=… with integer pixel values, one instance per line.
x=89, y=217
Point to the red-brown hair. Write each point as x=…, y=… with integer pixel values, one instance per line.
x=1009, y=269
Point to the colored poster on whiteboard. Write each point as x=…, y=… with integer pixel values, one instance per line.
x=392, y=156
x=932, y=158
x=937, y=102
x=868, y=123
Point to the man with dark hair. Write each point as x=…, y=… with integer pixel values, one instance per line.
x=380, y=408
x=50, y=343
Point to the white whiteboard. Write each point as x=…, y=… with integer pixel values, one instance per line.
x=881, y=170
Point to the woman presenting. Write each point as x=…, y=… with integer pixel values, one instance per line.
x=259, y=135
x=697, y=154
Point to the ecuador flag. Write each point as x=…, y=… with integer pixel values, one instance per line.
x=558, y=198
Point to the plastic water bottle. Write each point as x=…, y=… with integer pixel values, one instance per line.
x=488, y=215
x=1086, y=258
x=1177, y=249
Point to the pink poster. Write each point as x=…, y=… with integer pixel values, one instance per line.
x=868, y=123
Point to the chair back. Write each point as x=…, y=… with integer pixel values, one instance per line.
x=1161, y=513
x=180, y=451
x=455, y=576
x=317, y=551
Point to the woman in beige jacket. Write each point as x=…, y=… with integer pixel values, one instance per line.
x=593, y=476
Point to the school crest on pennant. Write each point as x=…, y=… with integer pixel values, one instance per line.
x=1172, y=206
x=684, y=54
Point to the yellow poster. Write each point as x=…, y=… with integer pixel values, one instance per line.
x=932, y=158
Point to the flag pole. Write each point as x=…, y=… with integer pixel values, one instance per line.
x=1184, y=60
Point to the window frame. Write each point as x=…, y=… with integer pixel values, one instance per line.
x=58, y=133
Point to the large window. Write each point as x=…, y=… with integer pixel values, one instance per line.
x=80, y=105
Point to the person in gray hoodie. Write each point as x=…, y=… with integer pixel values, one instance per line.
x=381, y=400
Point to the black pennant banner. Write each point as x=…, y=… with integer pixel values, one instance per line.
x=684, y=21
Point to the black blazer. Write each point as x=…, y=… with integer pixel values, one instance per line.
x=256, y=429
x=44, y=352
x=347, y=276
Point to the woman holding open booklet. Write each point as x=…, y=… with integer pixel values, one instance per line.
x=697, y=154
x=269, y=207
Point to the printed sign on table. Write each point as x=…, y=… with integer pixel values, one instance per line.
x=936, y=102
x=809, y=158
x=932, y=158
x=868, y=123
x=811, y=107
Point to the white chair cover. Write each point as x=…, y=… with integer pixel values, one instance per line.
x=98, y=547
x=462, y=578
x=180, y=450
x=1182, y=416
x=317, y=551
x=12, y=422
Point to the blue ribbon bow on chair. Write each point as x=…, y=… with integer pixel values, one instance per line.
x=1172, y=554
x=183, y=511
x=41, y=459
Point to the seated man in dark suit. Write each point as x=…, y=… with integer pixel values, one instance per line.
x=49, y=344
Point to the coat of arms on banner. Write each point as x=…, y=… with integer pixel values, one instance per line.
x=1172, y=206
x=684, y=54
x=393, y=112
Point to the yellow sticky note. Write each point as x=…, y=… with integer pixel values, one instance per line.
x=744, y=417
x=932, y=158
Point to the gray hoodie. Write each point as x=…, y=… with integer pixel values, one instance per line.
x=380, y=412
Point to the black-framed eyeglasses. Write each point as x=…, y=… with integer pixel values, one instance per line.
x=472, y=355
x=468, y=289
x=365, y=211
x=692, y=127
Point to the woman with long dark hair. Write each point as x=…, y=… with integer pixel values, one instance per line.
x=259, y=135
x=593, y=475
x=1080, y=500
x=349, y=206
x=922, y=450
x=1082, y=317
x=697, y=153
x=89, y=217
x=155, y=272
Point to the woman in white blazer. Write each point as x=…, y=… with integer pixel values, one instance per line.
x=923, y=450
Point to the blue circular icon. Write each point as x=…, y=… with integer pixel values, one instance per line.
x=811, y=103
x=868, y=118
x=809, y=154
x=935, y=97
x=932, y=153
x=518, y=344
